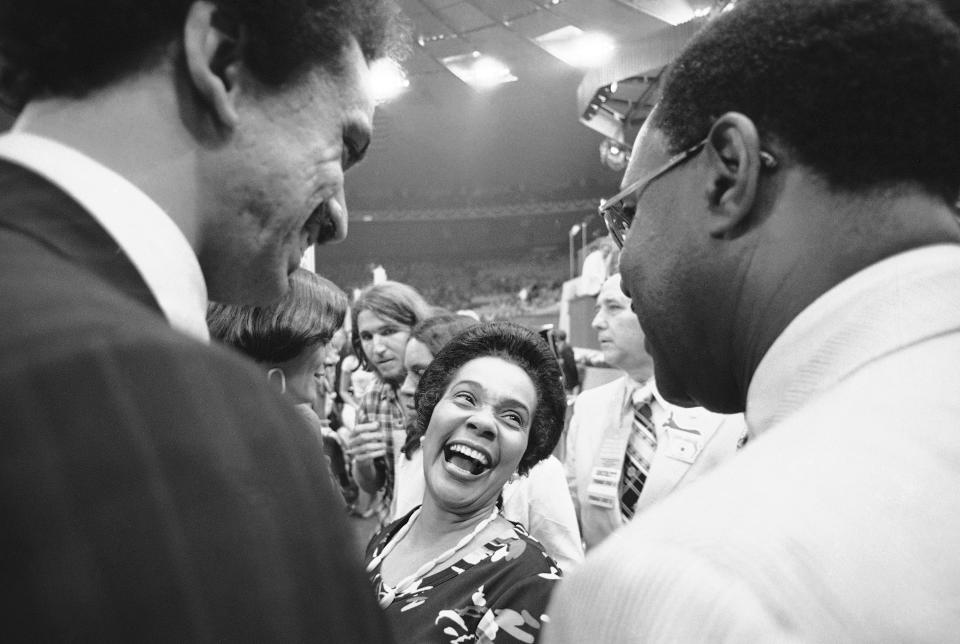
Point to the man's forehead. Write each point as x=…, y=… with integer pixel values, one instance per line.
x=610, y=291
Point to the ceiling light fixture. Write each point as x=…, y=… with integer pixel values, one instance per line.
x=576, y=47
x=478, y=70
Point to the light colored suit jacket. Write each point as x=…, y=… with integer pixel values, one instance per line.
x=840, y=521
x=602, y=414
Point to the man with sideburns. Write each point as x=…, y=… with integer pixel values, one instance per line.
x=169, y=152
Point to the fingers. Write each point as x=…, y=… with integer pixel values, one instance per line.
x=367, y=453
x=366, y=442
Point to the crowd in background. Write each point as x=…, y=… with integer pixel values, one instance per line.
x=496, y=288
x=205, y=442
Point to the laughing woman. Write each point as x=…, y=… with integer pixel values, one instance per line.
x=490, y=404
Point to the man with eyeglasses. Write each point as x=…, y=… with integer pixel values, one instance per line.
x=791, y=247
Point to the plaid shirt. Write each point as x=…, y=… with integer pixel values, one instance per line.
x=380, y=404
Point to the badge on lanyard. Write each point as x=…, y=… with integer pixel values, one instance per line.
x=603, y=489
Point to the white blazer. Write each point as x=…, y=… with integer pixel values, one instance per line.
x=690, y=441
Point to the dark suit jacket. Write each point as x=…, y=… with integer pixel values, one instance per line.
x=151, y=488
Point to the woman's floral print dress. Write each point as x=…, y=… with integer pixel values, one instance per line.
x=497, y=593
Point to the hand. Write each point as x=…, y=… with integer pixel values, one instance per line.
x=366, y=442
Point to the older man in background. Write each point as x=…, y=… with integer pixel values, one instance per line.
x=152, y=487
x=792, y=249
x=626, y=446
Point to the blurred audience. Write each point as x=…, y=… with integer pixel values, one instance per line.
x=490, y=288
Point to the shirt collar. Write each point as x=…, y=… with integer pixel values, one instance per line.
x=646, y=390
x=152, y=241
x=889, y=305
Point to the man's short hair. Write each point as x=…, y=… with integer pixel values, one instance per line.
x=69, y=48
x=864, y=92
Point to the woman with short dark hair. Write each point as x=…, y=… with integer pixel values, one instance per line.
x=288, y=337
x=490, y=405
x=289, y=340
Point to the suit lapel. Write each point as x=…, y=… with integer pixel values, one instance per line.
x=33, y=207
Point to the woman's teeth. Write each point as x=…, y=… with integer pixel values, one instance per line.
x=467, y=458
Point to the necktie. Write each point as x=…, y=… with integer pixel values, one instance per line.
x=640, y=449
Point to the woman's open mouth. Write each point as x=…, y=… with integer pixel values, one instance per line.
x=463, y=457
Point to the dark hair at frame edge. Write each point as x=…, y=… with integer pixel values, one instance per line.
x=69, y=48
x=864, y=92
x=520, y=346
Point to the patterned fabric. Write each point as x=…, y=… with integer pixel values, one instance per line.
x=496, y=593
x=640, y=449
x=380, y=404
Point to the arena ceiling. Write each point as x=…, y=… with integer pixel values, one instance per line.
x=444, y=135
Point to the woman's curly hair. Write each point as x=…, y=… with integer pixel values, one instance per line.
x=520, y=346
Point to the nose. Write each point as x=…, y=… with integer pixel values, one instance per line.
x=378, y=345
x=482, y=423
x=409, y=387
x=598, y=321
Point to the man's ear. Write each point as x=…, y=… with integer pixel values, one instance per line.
x=212, y=45
x=733, y=154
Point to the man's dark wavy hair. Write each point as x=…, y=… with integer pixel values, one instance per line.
x=520, y=346
x=864, y=92
x=72, y=47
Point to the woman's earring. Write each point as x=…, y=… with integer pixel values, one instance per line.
x=283, y=378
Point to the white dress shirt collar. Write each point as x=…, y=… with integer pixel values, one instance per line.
x=889, y=305
x=152, y=241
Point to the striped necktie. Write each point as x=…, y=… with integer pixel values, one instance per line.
x=640, y=449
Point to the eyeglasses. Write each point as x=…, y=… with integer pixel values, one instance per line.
x=617, y=213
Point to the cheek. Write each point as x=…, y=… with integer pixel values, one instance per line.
x=438, y=429
x=303, y=387
x=397, y=344
x=511, y=453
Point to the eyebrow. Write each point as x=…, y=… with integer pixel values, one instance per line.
x=606, y=301
x=508, y=402
x=381, y=327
